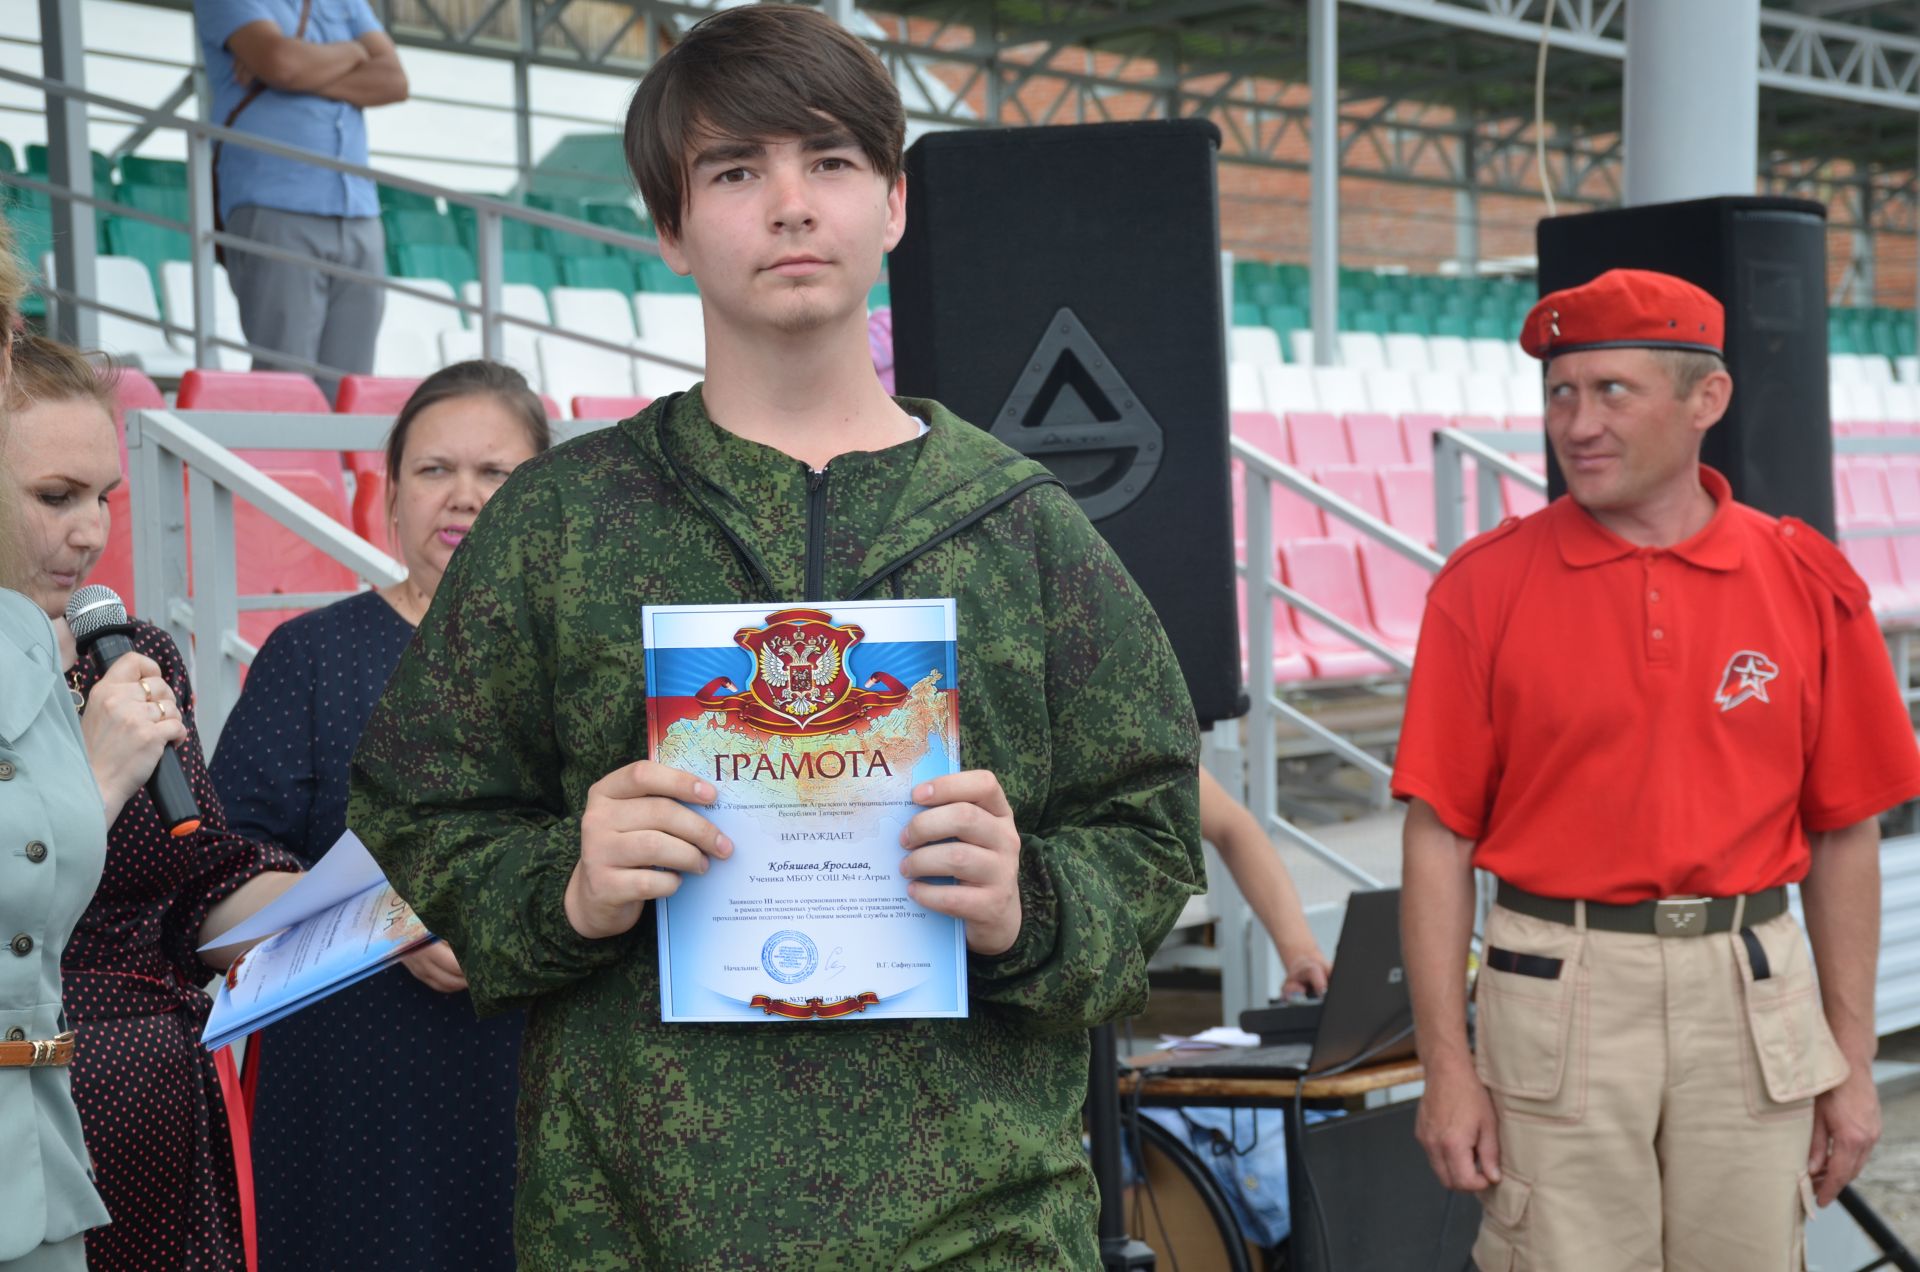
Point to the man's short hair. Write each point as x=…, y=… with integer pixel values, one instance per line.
x=1688, y=368
x=758, y=73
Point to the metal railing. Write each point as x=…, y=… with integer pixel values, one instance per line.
x=201, y=337
x=184, y=471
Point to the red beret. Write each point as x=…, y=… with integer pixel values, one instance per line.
x=1626, y=309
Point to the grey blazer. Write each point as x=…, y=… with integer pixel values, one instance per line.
x=53, y=843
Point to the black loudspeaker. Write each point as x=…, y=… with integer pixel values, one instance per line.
x=1061, y=287
x=1364, y=1199
x=1766, y=261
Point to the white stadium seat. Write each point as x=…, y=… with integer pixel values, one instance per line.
x=1848, y=367
x=1300, y=345
x=1439, y=393
x=599, y=311
x=123, y=282
x=570, y=369
x=410, y=327
x=1490, y=357
x=1362, y=351
x=1876, y=368
x=1903, y=403
x=1840, y=399
x=1407, y=351
x=1484, y=395
x=1340, y=389
x=1527, y=392
x=522, y=300
x=1906, y=369
x=1289, y=389
x=1870, y=403
x=463, y=345
x=176, y=290
x=669, y=325
x=1449, y=354
x=1392, y=392
x=1255, y=345
x=1244, y=390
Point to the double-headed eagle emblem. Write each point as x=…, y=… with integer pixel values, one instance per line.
x=800, y=682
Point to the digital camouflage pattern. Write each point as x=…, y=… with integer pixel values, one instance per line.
x=896, y=1144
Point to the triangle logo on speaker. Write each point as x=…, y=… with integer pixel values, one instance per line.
x=1071, y=409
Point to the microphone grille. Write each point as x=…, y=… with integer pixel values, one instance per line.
x=92, y=608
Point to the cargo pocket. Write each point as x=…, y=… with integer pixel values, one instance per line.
x=1531, y=993
x=1792, y=1056
x=1501, y=1246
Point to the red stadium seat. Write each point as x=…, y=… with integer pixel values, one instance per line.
x=132, y=391
x=1375, y=439
x=1357, y=486
x=1396, y=594
x=1867, y=501
x=202, y=390
x=370, y=506
x=1906, y=563
x=552, y=408
x=1315, y=438
x=1417, y=429
x=1289, y=660
x=1476, y=424
x=373, y=394
x=272, y=559
x=608, y=408
x=1406, y=493
x=1262, y=431
x=1327, y=572
x=1525, y=423
x=1903, y=490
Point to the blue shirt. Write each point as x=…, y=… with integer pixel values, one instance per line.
x=306, y=120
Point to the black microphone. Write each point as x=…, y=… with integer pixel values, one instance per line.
x=98, y=618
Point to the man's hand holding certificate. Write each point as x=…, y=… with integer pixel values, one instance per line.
x=812, y=850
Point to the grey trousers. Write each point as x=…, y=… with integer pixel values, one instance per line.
x=301, y=311
x=62, y=1256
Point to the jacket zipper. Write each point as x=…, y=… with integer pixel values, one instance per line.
x=816, y=535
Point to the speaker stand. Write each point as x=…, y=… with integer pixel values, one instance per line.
x=1118, y=1251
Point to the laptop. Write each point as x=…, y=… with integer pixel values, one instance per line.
x=1366, y=1009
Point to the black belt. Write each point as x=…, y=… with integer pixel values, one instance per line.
x=1688, y=916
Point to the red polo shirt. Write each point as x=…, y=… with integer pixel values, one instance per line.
x=1618, y=723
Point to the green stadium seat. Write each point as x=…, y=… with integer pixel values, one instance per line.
x=655, y=276
x=559, y=204
x=1285, y=318
x=32, y=226
x=411, y=225
x=533, y=268
x=102, y=167
x=168, y=201
x=140, y=170
x=1451, y=325
x=1487, y=327
x=880, y=297
x=449, y=263
x=615, y=216
x=146, y=242
x=1366, y=320
x=561, y=243
x=7, y=161
x=1246, y=315
x=396, y=200
x=1413, y=324
x=597, y=271
x=515, y=236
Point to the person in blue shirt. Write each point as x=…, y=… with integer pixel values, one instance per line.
x=301, y=73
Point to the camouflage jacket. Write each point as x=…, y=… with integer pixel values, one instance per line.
x=886, y=1144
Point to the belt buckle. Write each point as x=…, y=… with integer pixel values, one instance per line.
x=1680, y=916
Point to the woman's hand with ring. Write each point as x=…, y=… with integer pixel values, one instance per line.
x=131, y=716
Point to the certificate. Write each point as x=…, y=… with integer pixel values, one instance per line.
x=814, y=723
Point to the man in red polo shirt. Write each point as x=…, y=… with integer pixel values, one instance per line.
x=1646, y=709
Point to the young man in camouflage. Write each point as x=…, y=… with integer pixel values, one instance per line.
x=504, y=783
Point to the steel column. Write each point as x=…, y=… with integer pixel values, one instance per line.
x=1323, y=71
x=69, y=164
x=1691, y=99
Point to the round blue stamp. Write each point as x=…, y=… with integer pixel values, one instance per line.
x=789, y=957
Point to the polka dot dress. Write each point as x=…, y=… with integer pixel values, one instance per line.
x=383, y=1132
x=147, y=1091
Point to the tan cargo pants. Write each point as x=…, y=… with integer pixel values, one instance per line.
x=1655, y=1098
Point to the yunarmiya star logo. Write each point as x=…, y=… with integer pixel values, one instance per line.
x=1746, y=678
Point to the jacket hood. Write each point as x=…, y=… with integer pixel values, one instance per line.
x=960, y=474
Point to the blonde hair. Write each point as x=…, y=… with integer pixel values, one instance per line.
x=13, y=286
x=45, y=370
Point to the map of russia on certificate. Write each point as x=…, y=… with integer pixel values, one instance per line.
x=814, y=723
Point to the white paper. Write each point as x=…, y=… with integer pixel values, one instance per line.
x=346, y=870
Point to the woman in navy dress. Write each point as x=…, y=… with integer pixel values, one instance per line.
x=383, y=1125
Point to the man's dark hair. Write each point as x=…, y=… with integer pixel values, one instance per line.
x=757, y=73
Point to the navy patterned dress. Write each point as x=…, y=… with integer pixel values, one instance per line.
x=383, y=1132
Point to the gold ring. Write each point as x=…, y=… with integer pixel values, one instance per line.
x=159, y=712
x=146, y=689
